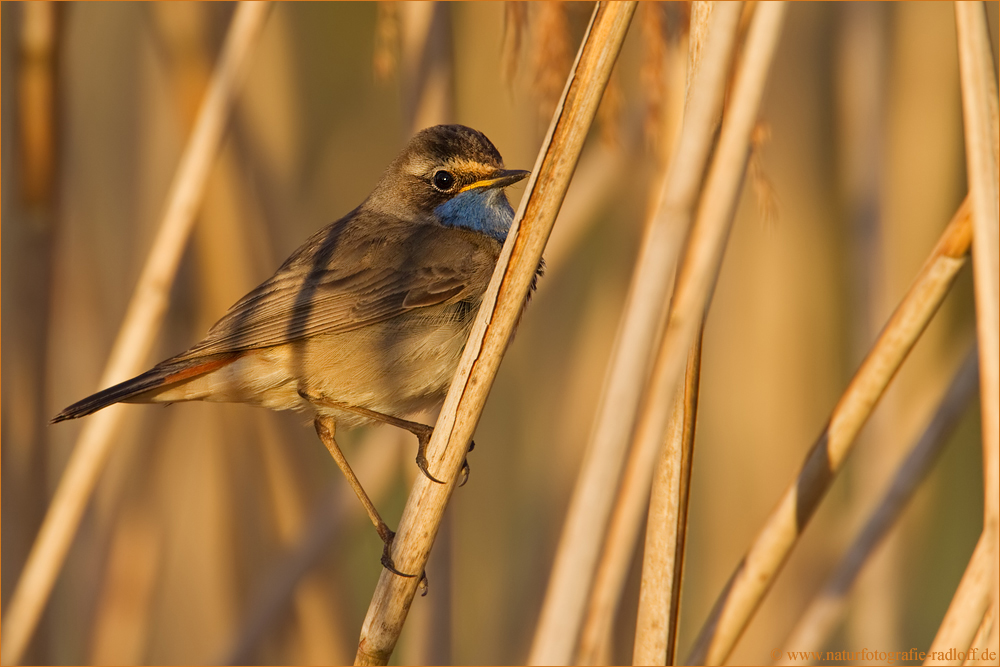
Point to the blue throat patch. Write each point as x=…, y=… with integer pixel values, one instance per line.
x=483, y=210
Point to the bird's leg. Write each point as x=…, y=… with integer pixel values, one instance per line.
x=422, y=431
x=325, y=428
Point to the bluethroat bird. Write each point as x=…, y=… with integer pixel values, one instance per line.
x=366, y=321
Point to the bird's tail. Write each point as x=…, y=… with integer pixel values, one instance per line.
x=164, y=374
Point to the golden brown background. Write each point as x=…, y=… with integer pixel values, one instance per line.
x=202, y=509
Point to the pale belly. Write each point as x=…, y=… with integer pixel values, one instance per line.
x=397, y=367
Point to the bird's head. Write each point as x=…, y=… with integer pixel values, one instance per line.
x=450, y=175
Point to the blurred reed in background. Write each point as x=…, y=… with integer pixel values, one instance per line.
x=225, y=533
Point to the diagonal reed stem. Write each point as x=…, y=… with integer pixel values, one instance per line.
x=135, y=338
x=495, y=323
x=666, y=529
x=980, y=639
x=594, y=493
x=755, y=573
x=827, y=609
x=982, y=145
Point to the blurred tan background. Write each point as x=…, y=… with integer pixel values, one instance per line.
x=208, y=514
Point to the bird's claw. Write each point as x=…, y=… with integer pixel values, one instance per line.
x=465, y=465
x=387, y=557
x=424, y=468
x=422, y=464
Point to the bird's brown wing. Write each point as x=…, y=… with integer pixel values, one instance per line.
x=348, y=277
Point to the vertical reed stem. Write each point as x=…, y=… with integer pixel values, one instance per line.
x=596, y=486
x=979, y=106
x=666, y=529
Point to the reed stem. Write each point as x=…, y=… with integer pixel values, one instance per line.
x=982, y=145
x=827, y=609
x=593, y=496
x=135, y=338
x=501, y=308
x=767, y=554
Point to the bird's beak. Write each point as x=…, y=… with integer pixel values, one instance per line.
x=499, y=179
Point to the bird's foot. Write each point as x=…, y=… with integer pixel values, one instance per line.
x=424, y=438
x=465, y=465
x=422, y=432
x=387, y=537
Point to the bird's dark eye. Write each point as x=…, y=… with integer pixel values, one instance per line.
x=443, y=180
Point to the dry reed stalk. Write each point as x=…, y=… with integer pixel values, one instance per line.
x=417, y=34
x=755, y=573
x=135, y=338
x=626, y=520
x=979, y=106
x=225, y=222
x=698, y=270
x=427, y=82
x=827, y=609
x=696, y=279
x=501, y=307
x=633, y=491
x=698, y=32
x=428, y=637
x=597, y=484
x=861, y=103
x=666, y=527
x=981, y=638
x=968, y=605
x=623, y=526
x=596, y=177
